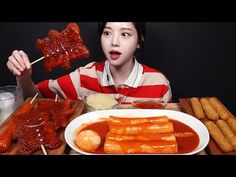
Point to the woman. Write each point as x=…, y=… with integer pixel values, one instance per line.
x=119, y=74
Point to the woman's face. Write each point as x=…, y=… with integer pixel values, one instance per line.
x=119, y=41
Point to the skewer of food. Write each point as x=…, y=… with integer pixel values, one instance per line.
x=36, y=125
x=61, y=48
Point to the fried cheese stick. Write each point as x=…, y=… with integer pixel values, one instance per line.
x=218, y=107
x=197, y=108
x=219, y=138
x=232, y=124
x=209, y=110
x=225, y=129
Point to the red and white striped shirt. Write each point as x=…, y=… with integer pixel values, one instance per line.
x=143, y=83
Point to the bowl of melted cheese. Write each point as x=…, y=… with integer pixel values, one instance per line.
x=101, y=101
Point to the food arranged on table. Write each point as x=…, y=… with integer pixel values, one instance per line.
x=114, y=131
x=36, y=125
x=131, y=131
x=219, y=121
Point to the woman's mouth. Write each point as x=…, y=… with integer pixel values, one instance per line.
x=114, y=54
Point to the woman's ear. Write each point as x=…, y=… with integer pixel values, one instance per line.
x=142, y=38
x=140, y=41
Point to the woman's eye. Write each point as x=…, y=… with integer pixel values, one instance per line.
x=106, y=33
x=125, y=34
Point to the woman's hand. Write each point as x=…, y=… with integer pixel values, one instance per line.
x=18, y=63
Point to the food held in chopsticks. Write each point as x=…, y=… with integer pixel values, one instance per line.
x=60, y=48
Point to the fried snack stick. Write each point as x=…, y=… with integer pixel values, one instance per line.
x=218, y=107
x=232, y=124
x=197, y=108
x=209, y=110
x=227, y=132
x=219, y=138
x=6, y=137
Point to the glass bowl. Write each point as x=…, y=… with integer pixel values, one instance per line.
x=149, y=104
x=11, y=97
x=101, y=101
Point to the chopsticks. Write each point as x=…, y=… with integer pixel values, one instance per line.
x=44, y=150
x=56, y=98
x=34, y=98
x=37, y=60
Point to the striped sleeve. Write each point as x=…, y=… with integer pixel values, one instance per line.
x=167, y=94
x=66, y=86
x=44, y=89
x=75, y=84
x=156, y=83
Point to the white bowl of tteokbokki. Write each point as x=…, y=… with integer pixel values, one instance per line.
x=136, y=131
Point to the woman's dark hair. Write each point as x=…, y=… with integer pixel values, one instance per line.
x=140, y=27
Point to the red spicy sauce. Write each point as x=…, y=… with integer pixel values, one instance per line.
x=149, y=105
x=185, y=144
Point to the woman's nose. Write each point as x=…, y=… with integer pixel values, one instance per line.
x=115, y=41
